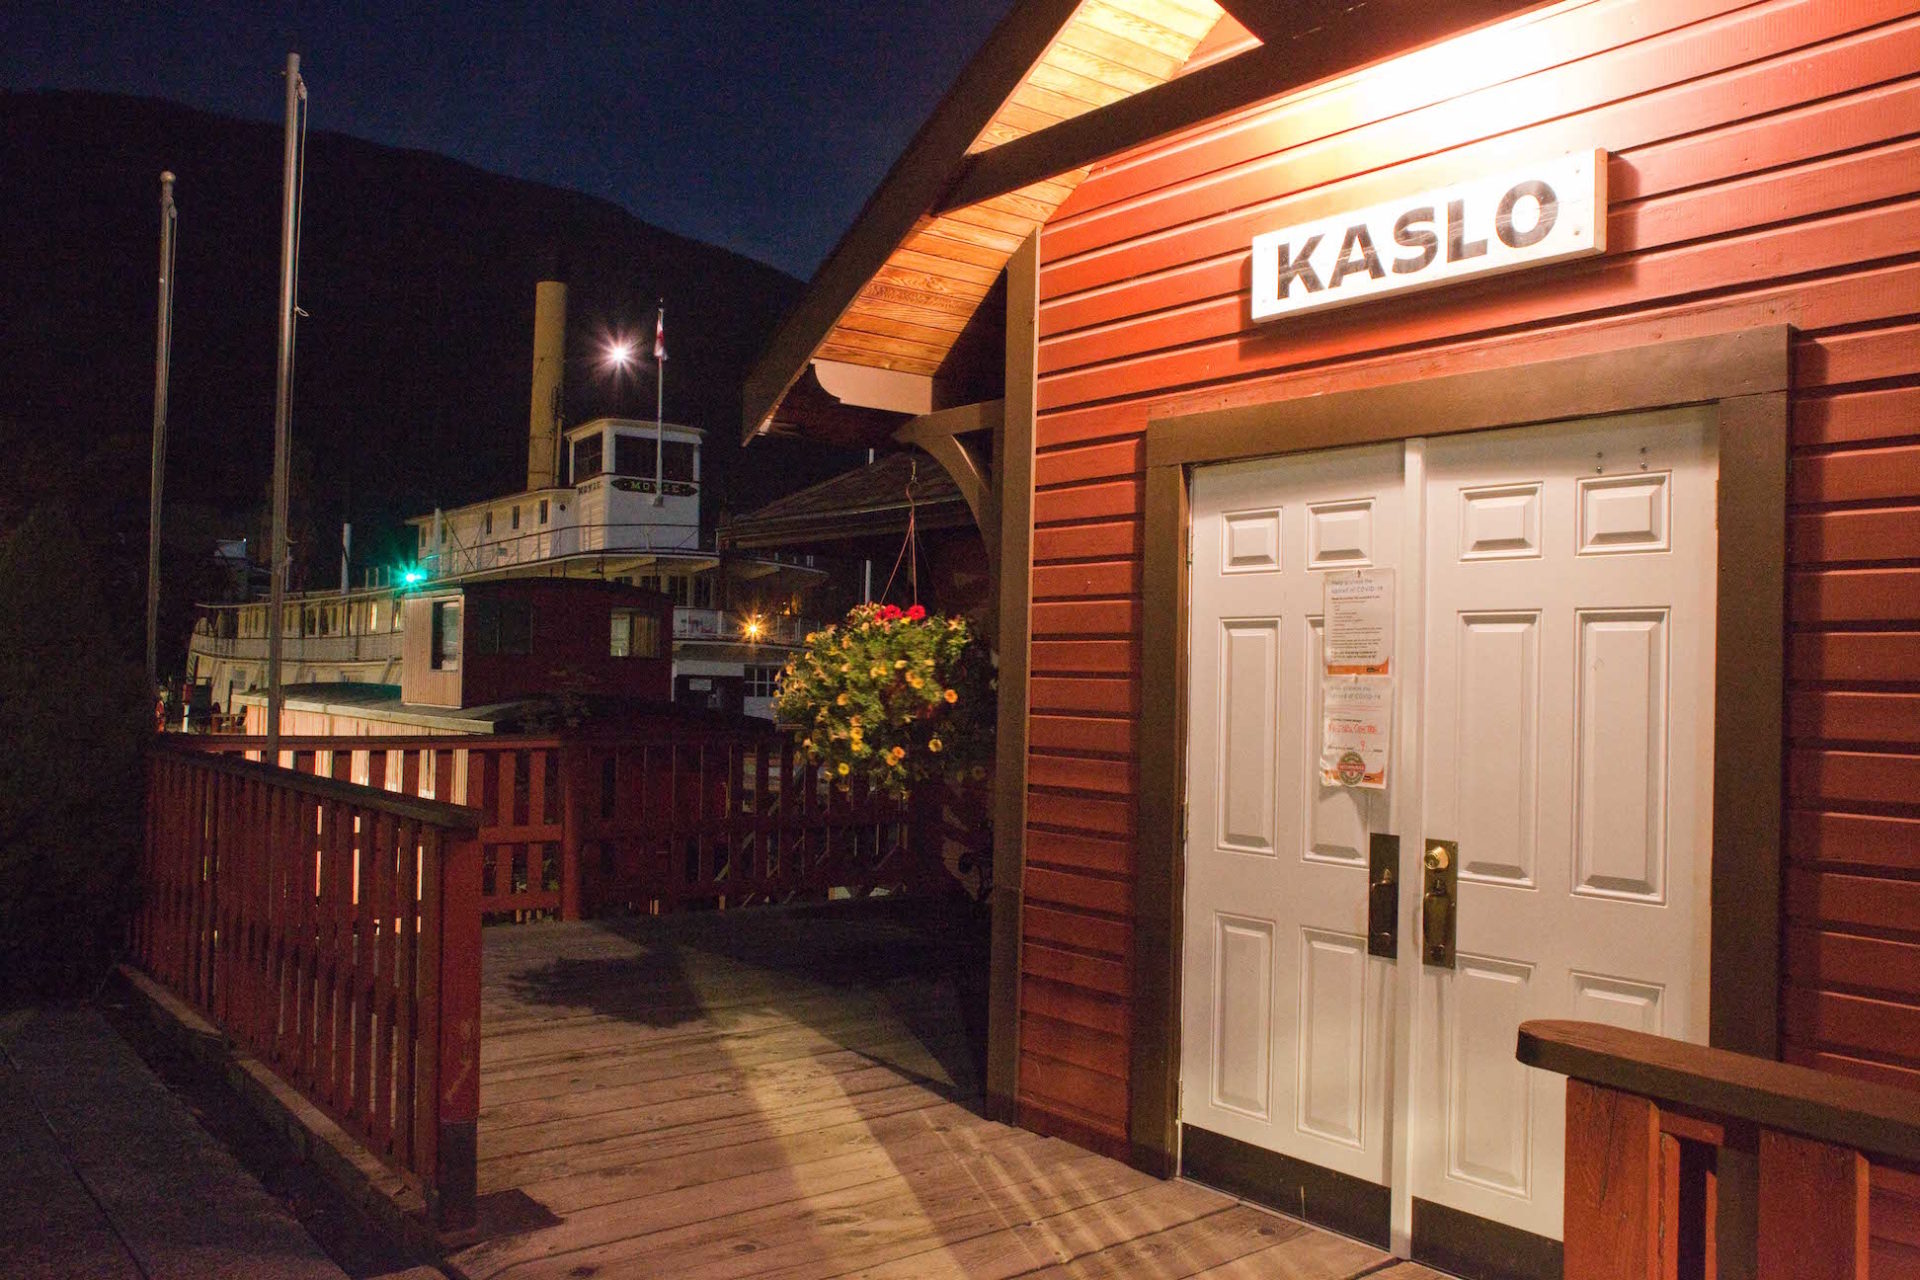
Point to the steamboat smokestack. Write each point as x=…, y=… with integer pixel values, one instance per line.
x=549, y=367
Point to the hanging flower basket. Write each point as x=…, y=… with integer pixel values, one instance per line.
x=892, y=696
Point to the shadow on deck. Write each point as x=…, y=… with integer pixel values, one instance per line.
x=792, y=1092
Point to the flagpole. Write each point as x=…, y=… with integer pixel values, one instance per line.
x=659, y=403
x=162, y=366
x=282, y=412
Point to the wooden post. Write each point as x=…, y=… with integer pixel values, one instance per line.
x=1813, y=1210
x=1613, y=1185
x=457, y=1086
x=573, y=767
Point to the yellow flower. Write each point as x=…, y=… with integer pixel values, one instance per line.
x=901, y=665
x=951, y=695
x=845, y=768
x=877, y=672
x=840, y=701
x=915, y=680
x=933, y=744
x=856, y=735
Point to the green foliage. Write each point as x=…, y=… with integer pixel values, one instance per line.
x=74, y=705
x=892, y=697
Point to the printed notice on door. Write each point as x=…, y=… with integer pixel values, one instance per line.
x=1359, y=623
x=1356, y=731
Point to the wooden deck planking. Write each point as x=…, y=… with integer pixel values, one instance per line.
x=791, y=1093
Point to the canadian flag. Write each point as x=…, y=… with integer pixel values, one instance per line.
x=660, y=334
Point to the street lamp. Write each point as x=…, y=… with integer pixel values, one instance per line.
x=753, y=629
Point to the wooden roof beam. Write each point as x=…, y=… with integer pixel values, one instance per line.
x=1300, y=47
x=910, y=188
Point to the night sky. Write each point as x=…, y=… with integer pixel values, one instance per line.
x=761, y=126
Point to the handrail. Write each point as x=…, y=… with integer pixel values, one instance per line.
x=333, y=932
x=1875, y=1118
x=1684, y=1160
x=221, y=755
x=647, y=817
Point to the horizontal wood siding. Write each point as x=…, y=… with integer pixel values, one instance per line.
x=1765, y=170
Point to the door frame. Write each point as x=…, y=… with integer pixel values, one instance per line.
x=1744, y=375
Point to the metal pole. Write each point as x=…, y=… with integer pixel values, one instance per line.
x=282, y=414
x=659, y=406
x=162, y=366
x=866, y=566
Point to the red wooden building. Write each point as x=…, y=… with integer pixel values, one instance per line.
x=1581, y=342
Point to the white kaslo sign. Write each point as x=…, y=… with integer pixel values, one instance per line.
x=1543, y=213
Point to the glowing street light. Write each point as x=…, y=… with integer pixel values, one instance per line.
x=753, y=629
x=620, y=352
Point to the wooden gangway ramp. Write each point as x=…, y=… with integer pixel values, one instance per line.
x=790, y=1092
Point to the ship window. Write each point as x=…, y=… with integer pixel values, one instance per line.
x=516, y=517
x=543, y=511
x=636, y=634
x=586, y=458
x=633, y=456
x=676, y=460
x=446, y=635
x=762, y=682
x=703, y=593
x=502, y=627
x=486, y=523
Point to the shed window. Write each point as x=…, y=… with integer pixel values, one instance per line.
x=636, y=634
x=446, y=635
x=502, y=627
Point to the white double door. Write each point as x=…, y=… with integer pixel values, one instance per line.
x=1553, y=713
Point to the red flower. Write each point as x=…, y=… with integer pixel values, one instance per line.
x=889, y=613
x=916, y=613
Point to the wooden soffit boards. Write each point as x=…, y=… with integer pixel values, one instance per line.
x=1303, y=42
x=900, y=288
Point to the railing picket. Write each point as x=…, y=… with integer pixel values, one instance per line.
x=1813, y=1209
x=406, y=984
x=386, y=909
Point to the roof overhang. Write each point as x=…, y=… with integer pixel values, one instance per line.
x=1059, y=86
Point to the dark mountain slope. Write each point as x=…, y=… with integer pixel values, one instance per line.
x=417, y=275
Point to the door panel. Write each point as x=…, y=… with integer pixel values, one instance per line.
x=1565, y=595
x=1284, y=1013
x=1567, y=718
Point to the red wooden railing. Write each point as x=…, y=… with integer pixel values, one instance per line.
x=1660, y=1132
x=333, y=931
x=649, y=821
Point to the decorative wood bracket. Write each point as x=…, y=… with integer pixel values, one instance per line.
x=939, y=434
